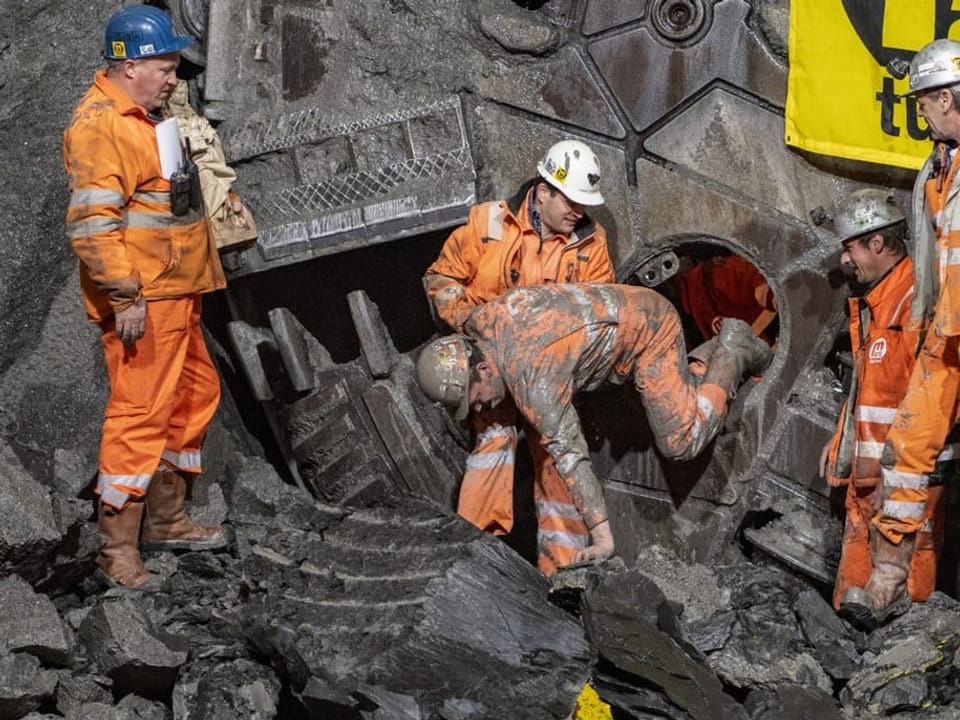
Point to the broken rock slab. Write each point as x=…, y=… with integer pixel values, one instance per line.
x=123, y=644
x=646, y=664
x=910, y=665
x=24, y=684
x=131, y=707
x=767, y=644
x=406, y=607
x=784, y=701
x=28, y=533
x=217, y=687
x=30, y=623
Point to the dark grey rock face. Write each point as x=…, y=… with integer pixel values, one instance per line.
x=24, y=684
x=30, y=623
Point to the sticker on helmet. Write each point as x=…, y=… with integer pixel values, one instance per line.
x=593, y=179
x=560, y=174
x=119, y=48
x=147, y=49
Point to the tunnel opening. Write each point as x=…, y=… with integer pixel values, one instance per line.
x=316, y=296
x=706, y=280
x=349, y=432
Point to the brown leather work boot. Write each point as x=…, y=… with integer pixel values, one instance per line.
x=119, y=559
x=885, y=596
x=167, y=525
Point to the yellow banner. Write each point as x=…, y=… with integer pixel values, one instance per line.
x=842, y=100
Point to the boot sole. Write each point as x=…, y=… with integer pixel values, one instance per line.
x=865, y=618
x=860, y=616
x=215, y=543
x=154, y=584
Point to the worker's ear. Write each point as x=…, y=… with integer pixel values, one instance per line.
x=483, y=370
x=876, y=243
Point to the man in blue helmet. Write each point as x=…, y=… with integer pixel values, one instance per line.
x=146, y=256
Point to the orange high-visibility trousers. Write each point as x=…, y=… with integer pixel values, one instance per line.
x=917, y=437
x=163, y=393
x=856, y=562
x=486, y=491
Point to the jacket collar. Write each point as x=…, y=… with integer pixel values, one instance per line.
x=121, y=101
x=889, y=283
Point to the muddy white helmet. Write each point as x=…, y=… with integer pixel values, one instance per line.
x=573, y=169
x=443, y=373
x=866, y=211
x=936, y=64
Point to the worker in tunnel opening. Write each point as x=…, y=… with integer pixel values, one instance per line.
x=532, y=349
x=873, y=232
x=146, y=257
x=726, y=286
x=541, y=235
x=919, y=434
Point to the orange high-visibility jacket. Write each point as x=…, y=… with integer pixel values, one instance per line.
x=884, y=352
x=483, y=258
x=929, y=410
x=552, y=341
x=728, y=286
x=119, y=222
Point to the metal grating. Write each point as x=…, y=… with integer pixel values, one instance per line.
x=312, y=126
x=356, y=188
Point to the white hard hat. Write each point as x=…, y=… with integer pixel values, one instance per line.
x=573, y=169
x=936, y=64
x=443, y=373
x=866, y=211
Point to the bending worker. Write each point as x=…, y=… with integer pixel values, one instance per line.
x=873, y=232
x=928, y=412
x=541, y=235
x=536, y=347
x=143, y=270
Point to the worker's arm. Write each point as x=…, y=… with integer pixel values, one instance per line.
x=100, y=177
x=552, y=414
x=446, y=280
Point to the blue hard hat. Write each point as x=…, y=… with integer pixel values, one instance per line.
x=140, y=31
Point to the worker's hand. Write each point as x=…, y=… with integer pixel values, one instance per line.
x=131, y=323
x=824, y=458
x=238, y=207
x=601, y=544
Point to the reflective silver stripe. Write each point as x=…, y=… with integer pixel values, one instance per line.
x=182, y=460
x=487, y=460
x=950, y=256
x=949, y=452
x=155, y=196
x=82, y=197
x=565, y=539
x=92, y=226
x=706, y=407
x=910, y=481
x=876, y=414
x=867, y=449
x=495, y=223
x=557, y=509
x=161, y=220
x=903, y=510
x=110, y=494
x=496, y=431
